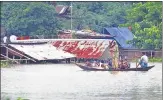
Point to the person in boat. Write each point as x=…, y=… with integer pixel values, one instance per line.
x=94, y=64
x=120, y=63
x=123, y=64
x=97, y=64
x=104, y=64
x=109, y=63
x=143, y=61
x=101, y=64
x=88, y=64
x=127, y=63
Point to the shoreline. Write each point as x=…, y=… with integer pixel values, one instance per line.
x=9, y=65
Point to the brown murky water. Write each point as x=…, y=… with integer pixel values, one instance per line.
x=69, y=82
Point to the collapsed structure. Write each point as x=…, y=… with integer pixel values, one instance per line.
x=53, y=49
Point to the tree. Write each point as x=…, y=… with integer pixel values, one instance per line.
x=27, y=18
x=146, y=21
x=40, y=17
x=97, y=15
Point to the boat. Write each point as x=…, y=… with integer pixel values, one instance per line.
x=84, y=67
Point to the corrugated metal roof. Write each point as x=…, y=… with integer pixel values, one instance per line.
x=81, y=48
x=85, y=48
x=122, y=35
x=43, y=51
x=61, y=9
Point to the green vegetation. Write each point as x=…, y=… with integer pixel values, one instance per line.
x=155, y=59
x=19, y=98
x=145, y=18
x=40, y=18
x=29, y=18
x=36, y=18
x=4, y=64
x=7, y=63
x=150, y=60
x=97, y=15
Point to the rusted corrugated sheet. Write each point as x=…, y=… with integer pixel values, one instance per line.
x=86, y=48
x=81, y=48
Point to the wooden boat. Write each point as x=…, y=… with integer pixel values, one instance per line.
x=82, y=66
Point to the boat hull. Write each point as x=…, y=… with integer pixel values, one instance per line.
x=129, y=69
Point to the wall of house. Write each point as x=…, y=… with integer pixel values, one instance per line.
x=131, y=53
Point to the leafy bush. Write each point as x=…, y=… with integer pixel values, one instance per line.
x=4, y=63
x=155, y=59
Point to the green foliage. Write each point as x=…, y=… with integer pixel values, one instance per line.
x=24, y=18
x=37, y=18
x=146, y=21
x=7, y=98
x=155, y=59
x=4, y=63
x=97, y=15
x=40, y=18
x=19, y=98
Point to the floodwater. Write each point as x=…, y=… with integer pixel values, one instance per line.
x=69, y=82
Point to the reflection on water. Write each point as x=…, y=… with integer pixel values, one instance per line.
x=69, y=82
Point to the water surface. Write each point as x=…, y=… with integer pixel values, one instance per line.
x=69, y=82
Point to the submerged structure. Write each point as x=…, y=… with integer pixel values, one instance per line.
x=54, y=49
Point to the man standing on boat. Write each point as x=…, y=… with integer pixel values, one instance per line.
x=143, y=62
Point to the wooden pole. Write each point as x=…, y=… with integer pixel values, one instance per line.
x=13, y=57
x=71, y=21
x=136, y=59
x=7, y=48
x=7, y=55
